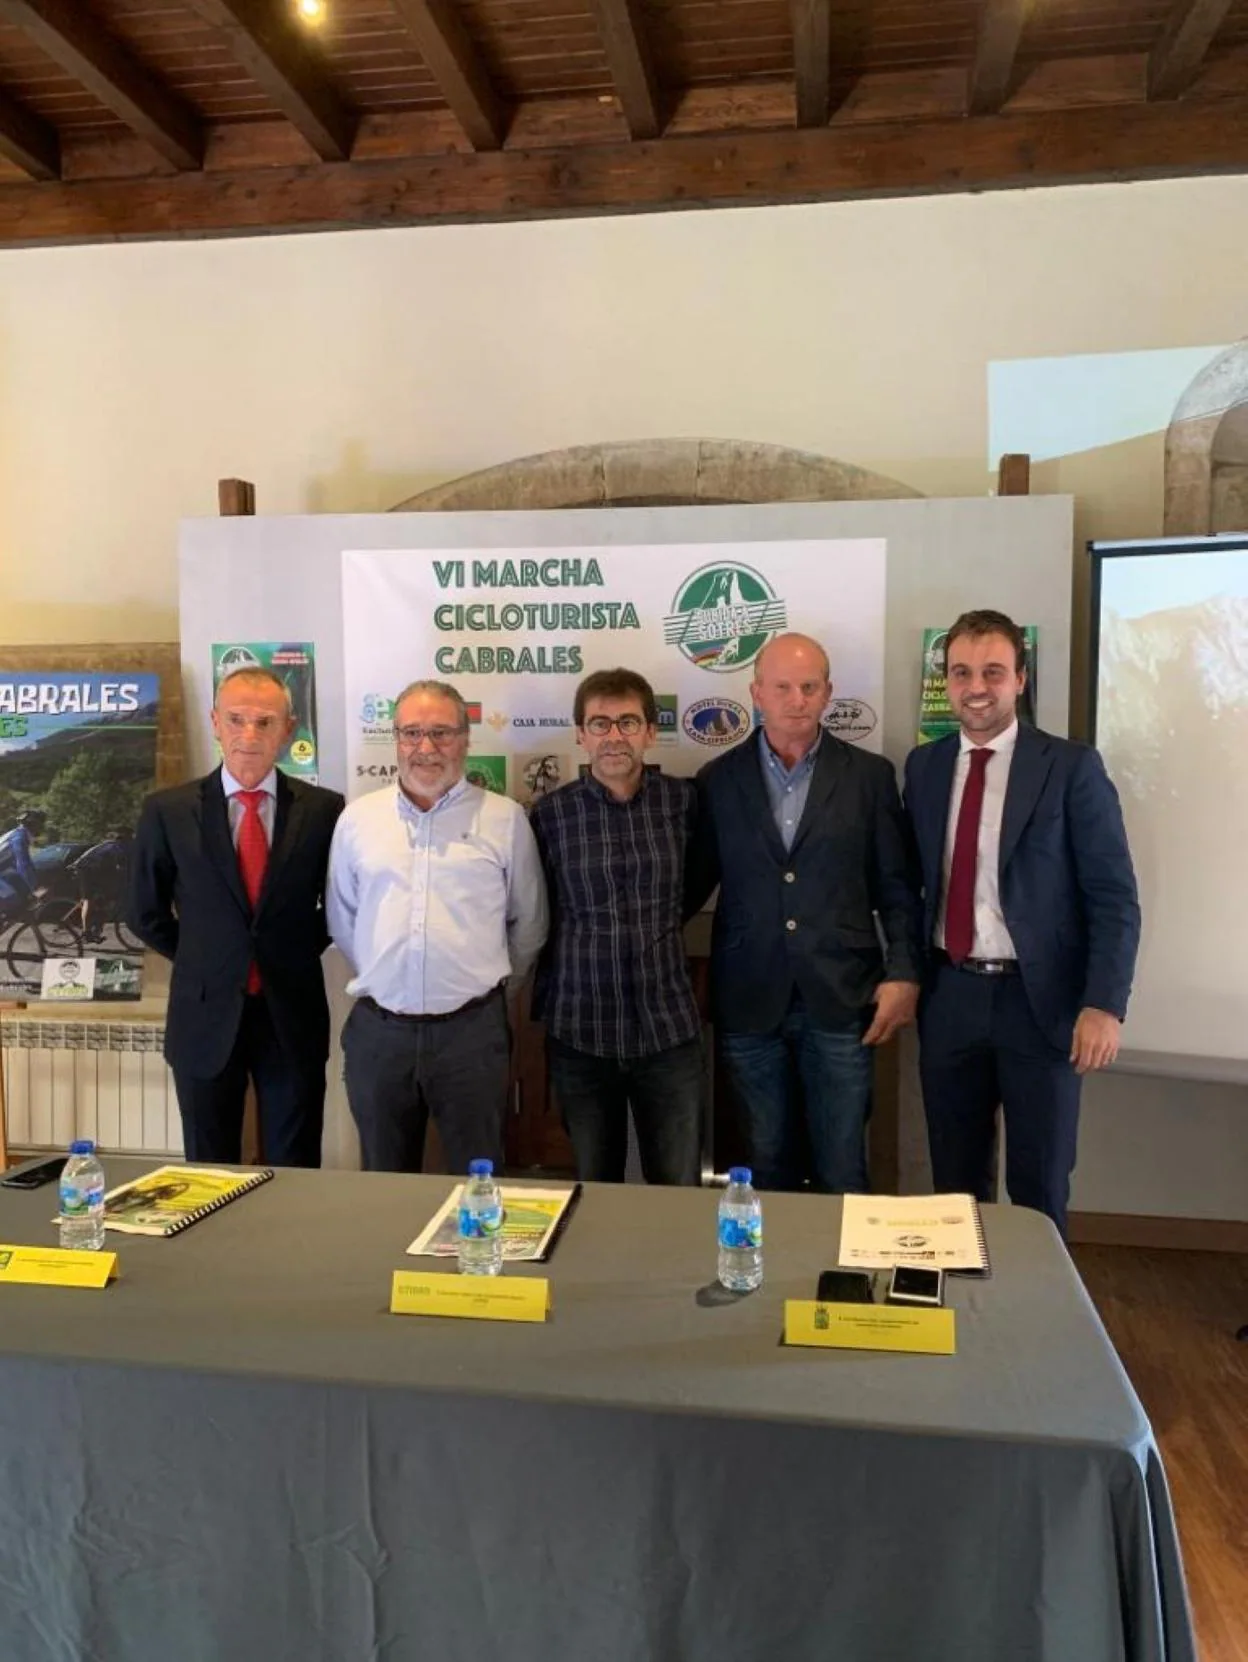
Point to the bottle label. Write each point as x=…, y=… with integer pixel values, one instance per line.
x=78, y=1201
x=740, y=1232
x=479, y=1225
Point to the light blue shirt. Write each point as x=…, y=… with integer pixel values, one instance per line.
x=787, y=788
x=434, y=907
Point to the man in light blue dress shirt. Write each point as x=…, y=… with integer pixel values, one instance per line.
x=436, y=899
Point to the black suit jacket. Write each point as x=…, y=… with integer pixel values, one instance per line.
x=187, y=901
x=849, y=865
x=1067, y=885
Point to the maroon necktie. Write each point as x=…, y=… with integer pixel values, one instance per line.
x=960, y=899
x=253, y=857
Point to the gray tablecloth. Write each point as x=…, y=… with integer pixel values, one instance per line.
x=235, y=1452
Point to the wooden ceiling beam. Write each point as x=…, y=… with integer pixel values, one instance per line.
x=839, y=162
x=812, y=61
x=263, y=39
x=28, y=141
x=633, y=76
x=1001, y=25
x=73, y=38
x=457, y=68
x=1183, y=45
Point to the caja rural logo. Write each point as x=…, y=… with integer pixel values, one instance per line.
x=723, y=616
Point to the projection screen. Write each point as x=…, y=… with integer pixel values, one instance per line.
x=1170, y=716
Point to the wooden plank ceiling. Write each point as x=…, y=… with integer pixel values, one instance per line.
x=131, y=118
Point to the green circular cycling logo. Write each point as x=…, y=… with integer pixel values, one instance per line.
x=235, y=658
x=723, y=616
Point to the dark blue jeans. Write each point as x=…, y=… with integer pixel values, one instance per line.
x=801, y=1072
x=665, y=1092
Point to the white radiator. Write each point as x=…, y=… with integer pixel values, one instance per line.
x=103, y=1080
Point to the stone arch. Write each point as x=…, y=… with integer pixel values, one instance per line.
x=659, y=472
x=1206, y=471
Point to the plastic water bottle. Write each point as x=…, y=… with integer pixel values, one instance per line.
x=480, y=1222
x=740, y=1233
x=82, y=1200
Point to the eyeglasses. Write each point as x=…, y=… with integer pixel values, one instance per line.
x=629, y=725
x=439, y=736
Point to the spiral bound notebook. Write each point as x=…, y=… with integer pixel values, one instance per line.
x=172, y=1198
x=944, y=1232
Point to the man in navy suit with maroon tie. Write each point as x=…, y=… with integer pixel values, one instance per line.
x=1033, y=920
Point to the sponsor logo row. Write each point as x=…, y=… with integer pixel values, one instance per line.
x=714, y=722
x=529, y=776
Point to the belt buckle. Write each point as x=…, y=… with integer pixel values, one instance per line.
x=991, y=966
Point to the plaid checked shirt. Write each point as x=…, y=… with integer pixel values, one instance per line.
x=612, y=979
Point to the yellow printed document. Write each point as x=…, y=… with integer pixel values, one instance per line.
x=172, y=1198
x=532, y=1219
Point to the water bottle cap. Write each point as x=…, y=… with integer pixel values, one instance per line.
x=84, y=1145
x=480, y=1168
x=740, y=1174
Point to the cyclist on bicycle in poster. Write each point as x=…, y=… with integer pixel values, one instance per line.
x=19, y=881
x=103, y=873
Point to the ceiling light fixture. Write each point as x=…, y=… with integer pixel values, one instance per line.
x=311, y=11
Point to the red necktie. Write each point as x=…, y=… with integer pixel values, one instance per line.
x=960, y=898
x=253, y=857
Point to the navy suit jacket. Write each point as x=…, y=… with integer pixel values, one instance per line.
x=1067, y=885
x=187, y=902
x=850, y=862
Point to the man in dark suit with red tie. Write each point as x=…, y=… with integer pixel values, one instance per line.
x=229, y=883
x=1032, y=915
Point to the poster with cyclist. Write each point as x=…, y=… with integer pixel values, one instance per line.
x=294, y=663
x=77, y=757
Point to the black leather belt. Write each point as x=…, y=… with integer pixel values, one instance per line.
x=978, y=966
x=441, y=1015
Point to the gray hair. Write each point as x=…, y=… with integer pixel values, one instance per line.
x=436, y=689
x=255, y=672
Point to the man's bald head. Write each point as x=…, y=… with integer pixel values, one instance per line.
x=791, y=689
x=793, y=647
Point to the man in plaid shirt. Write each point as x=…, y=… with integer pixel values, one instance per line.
x=622, y=1028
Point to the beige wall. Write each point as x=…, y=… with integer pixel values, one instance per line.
x=345, y=372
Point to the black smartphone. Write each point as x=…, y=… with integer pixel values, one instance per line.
x=913, y=1284
x=36, y=1175
x=845, y=1287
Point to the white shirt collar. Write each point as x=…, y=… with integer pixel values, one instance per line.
x=1002, y=745
x=231, y=786
x=414, y=811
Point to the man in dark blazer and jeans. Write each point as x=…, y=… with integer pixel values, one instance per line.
x=815, y=943
x=1031, y=911
x=229, y=882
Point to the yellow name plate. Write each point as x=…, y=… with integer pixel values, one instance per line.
x=56, y=1266
x=868, y=1327
x=488, y=1297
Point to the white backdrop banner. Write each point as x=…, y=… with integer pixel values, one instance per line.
x=515, y=630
